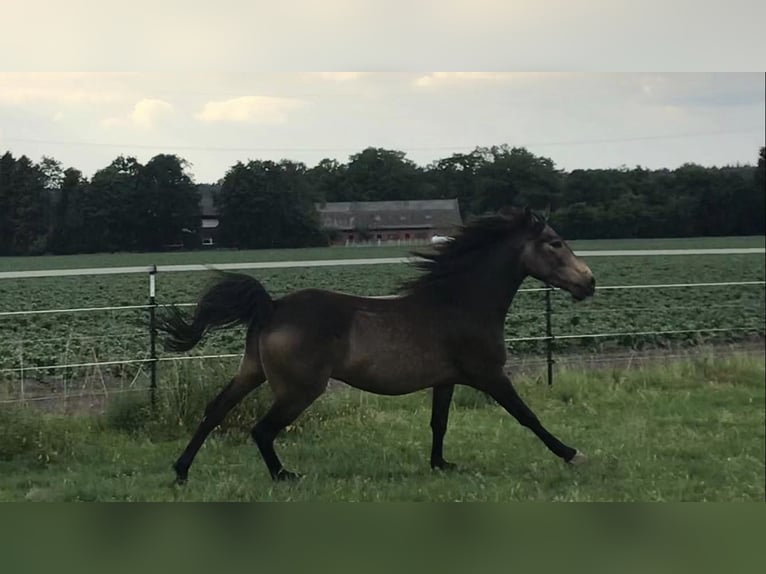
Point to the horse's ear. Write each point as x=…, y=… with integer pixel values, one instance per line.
x=534, y=221
x=529, y=216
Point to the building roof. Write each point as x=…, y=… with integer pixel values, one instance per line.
x=415, y=214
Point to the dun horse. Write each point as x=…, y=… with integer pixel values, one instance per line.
x=445, y=328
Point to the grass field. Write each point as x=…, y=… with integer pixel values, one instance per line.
x=690, y=430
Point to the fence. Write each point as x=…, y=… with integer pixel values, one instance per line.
x=152, y=359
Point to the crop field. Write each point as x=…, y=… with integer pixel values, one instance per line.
x=54, y=339
x=689, y=430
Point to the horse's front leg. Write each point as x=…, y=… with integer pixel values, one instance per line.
x=442, y=398
x=501, y=389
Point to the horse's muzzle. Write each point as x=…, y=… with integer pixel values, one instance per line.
x=581, y=291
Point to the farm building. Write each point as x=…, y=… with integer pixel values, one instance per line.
x=361, y=221
x=208, y=214
x=389, y=221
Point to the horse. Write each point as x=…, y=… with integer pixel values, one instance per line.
x=445, y=327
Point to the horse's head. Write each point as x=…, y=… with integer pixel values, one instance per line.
x=547, y=257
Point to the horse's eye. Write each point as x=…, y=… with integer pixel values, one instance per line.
x=556, y=244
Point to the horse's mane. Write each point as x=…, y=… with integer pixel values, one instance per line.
x=474, y=241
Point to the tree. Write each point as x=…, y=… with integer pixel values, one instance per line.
x=579, y=221
x=111, y=208
x=327, y=181
x=53, y=173
x=133, y=207
x=130, y=206
x=170, y=204
x=756, y=205
x=377, y=174
x=267, y=204
x=25, y=207
x=68, y=217
x=515, y=176
x=456, y=177
x=7, y=205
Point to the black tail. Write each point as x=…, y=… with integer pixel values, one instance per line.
x=233, y=299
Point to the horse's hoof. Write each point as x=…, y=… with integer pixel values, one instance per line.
x=578, y=459
x=181, y=475
x=287, y=476
x=443, y=466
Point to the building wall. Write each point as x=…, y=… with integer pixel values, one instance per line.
x=388, y=235
x=209, y=231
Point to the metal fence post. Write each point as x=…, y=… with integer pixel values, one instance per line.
x=153, y=335
x=549, y=333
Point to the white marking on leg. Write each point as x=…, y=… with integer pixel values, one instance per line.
x=578, y=459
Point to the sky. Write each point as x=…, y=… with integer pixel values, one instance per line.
x=213, y=120
x=217, y=83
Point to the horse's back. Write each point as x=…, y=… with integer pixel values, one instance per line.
x=319, y=319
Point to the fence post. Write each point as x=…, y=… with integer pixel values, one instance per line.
x=153, y=335
x=21, y=370
x=549, y=333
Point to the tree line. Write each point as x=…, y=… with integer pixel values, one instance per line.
x=125, y=206
x=129, y=206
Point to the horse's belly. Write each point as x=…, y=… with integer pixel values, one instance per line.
x=391, y=383
x=391, y=354
x=394, y=370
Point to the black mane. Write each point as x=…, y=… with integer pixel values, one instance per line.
x=474, y=241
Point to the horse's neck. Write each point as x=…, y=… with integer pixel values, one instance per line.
x=491, y=288
x=484, y=290
x=504, y=286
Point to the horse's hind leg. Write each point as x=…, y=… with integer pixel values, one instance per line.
x=286, y=408
x=249, y=378
x=501, y=389
x=442, y=398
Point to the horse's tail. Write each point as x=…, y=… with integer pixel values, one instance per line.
x=233, y=299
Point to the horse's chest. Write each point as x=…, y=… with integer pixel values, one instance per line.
x=477, y=350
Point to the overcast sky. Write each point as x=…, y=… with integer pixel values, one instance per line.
x=580, y=120
x=219, y=82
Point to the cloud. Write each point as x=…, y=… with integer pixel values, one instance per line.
x=439, y=78
x=25, y=95
x=339, y=76
x=250, y=109
x=62, y=89
x=146, y=114
x=701, y=90
x=109, y=123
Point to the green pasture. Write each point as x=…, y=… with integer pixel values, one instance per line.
x=680, y=431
